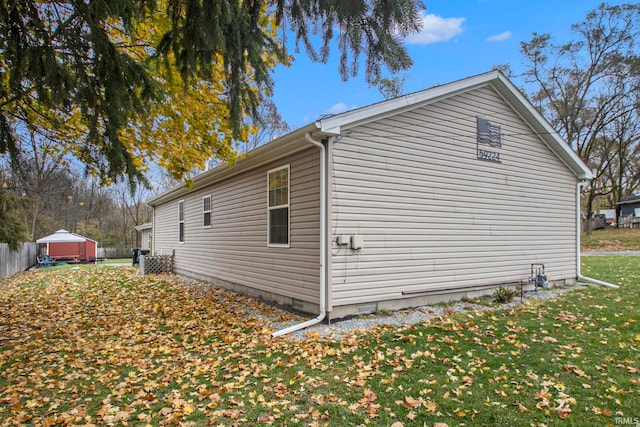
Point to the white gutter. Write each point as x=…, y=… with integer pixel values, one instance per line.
x=578, y=230
x=323, y=244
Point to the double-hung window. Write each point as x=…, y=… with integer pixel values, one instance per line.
x=206, y=211
x=181, y=221
x=278, y=206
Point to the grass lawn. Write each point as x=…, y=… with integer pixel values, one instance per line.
x=107, y=347
x=611, y=239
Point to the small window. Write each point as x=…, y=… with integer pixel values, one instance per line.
x=206, y=211
x=181, y=221
x=278, y=206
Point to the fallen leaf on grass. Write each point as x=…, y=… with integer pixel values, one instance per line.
x=576, y=370
x=431, y=406
x=412, y=403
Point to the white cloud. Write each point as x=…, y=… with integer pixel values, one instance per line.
x=500, y=37
x=436, y=29
x=338, y=108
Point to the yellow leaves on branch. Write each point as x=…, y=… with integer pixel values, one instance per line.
x=191, y=124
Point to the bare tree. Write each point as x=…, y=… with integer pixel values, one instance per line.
x=133, y=211
x=38, y=173
x=588, y=84
x=268, y=125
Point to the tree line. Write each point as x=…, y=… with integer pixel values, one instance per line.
x=38, y=199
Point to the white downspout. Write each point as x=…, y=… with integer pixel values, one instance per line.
x=578, y=230
x=323, y=244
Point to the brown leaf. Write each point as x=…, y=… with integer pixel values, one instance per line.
x=370, y=396
x=266, y=418
x=412, y=403
x=234, y=414
x=165, y=411
x=431, y=406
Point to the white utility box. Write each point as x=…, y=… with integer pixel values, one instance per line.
x=342, y=240
x=357, y=242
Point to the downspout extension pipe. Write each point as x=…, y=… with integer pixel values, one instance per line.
x=323, y=244
x=578, y=231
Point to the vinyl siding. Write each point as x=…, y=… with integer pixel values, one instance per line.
x=234, y=249
x=433, y=216
x=145, y=239
x=629, y=209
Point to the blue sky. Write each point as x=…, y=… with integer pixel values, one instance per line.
x=460, y=38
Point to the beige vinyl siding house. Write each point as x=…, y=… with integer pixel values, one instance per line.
x=444, y=193
x=434, y=217
x=232, y=250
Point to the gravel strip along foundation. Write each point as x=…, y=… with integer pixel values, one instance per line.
x=273, y=316
x=340, y=329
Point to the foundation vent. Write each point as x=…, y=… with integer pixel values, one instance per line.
x=367, y=308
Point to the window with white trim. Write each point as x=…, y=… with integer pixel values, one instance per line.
x=206, y=211
x=278, y=206
x=181, y=221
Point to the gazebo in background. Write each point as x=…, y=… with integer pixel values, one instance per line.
x=66, y=246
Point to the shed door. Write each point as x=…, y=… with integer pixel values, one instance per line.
x=82, y=250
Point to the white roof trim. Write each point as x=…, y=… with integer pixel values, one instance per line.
x=271, y=151
x=334, y=125
x=63, y=236
x=554, y=141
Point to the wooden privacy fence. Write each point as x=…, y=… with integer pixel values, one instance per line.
x=111, y=253
x=12, y=262
x=156, y=264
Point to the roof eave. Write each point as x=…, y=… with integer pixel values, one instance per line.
x=629, y=202
x=269, y=152
x=335, y=124
x=544, y=130
x=511, y=94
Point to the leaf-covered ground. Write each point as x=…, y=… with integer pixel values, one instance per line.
x=103, y=346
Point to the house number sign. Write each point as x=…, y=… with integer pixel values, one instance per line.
x=489, y=139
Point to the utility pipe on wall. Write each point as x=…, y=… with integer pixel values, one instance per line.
x=323, y=244
x=578, y=231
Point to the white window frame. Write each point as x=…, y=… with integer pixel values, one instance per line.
x=205, y=212
x=181, y=224
x=287, y=205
